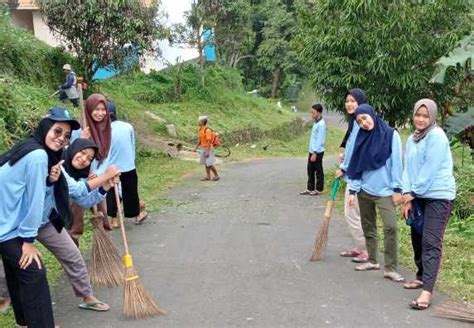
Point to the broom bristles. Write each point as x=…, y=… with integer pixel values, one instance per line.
x=455, y=311
x=138, y=303
x=321, y=240
x=105, y=267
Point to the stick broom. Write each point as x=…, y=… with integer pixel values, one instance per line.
x=137, y=302
x=322, y=233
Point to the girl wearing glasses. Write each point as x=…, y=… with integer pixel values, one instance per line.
x=23, y=183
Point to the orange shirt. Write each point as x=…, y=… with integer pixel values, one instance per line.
x=205, y=136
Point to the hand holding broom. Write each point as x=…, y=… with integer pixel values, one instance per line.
x=322, y=234
x=137, y=302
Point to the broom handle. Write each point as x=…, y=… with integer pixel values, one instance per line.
x=120, y=215
x=335, y=188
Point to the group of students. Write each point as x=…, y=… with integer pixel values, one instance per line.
x=379, y=178
x=43, y=183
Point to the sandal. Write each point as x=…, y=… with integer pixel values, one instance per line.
x=206, y=179
x=306, y=192
x=141, y=217
x=350, y=253
x=314, y=193
x=415, y=305
x=216, y=178
x=413, y=284
x=93, y=306
x=362, y=258
x=394, y=276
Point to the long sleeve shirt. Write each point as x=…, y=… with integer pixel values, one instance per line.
x=122, y=148
x=428, y=169
x=78, y=192
x=349, y=147
x=385, y=180
x=22, y=195
x=317, y=138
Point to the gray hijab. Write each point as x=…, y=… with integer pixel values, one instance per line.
x=432, y=112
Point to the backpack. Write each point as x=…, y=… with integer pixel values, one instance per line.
x=215, y=141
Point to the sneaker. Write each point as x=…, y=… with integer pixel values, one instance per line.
x=367, y=266
x=361, y=258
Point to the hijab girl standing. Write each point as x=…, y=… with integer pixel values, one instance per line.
x=375, y=175
x=98, y=126
x=23, y=183
x=428, y=189
x=353, y=98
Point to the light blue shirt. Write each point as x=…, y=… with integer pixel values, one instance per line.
x=22, y=194
x=78, y=192
x=349, y=149
x=385, y=180
x=428, y=169
x=317, y=138
x=122, y=149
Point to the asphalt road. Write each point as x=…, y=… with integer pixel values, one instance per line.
x=234, y=253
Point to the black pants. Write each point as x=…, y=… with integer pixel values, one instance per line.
x=427, y=247
x=316, y=168
x=131, y=202
x=28, y=289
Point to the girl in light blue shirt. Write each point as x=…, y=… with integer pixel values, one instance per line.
x=428, y=191
x=23, y=184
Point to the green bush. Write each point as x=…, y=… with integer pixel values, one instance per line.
x=462, y=220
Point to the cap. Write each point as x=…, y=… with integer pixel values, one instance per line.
x=67, y=66
x=59, y=114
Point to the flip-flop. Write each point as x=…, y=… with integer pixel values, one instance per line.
x=144, y=216
x=206, y=179
x=93, y=306
x=413, y=284
x=415, y=305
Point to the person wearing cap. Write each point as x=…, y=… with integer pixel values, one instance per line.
x=429, y=188
x=208, y=158
x=122, y=154
x=68, y=90
x=316, y=153
x=24, y=180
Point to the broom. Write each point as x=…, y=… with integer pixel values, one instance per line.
x=322, y=233
x=455, y=311
x=137, y=302
x=105, y=267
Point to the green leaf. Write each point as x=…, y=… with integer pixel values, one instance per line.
x=459, y=122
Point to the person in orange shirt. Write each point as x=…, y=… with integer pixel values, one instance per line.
x=208, y=157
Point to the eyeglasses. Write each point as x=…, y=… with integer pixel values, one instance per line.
x=58, y=132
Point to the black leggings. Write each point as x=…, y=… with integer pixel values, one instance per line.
x=28, y=288
x=131, y=202
x=427, y=247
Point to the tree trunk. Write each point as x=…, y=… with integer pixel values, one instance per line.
x=201, y=57
x=276, y=80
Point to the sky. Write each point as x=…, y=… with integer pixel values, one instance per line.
x=175, y=10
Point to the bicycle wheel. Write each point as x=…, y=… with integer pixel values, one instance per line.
x=222, y=152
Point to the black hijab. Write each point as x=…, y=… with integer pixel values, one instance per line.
x=68, y=155
x=34, y=142
x=359, y=96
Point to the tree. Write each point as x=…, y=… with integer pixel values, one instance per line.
x=275, y=52
x=103, y=33
x=234, y=34
x=387, y=48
